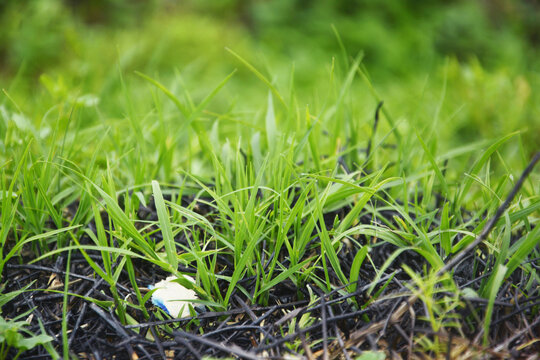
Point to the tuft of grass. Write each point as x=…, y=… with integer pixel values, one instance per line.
x=253, y=188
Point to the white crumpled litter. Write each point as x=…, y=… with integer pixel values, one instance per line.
x=172, y=297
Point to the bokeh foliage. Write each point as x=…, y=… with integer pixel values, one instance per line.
x=475, y=61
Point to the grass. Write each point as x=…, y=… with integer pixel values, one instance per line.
x=341, y=198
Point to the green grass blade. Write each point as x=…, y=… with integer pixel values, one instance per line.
x=183, y=109
x=493, y=290
x=521, y=249
x=212, y=94
x=446, y=242
x=355, y=268
x=122, y=221
x=438, y=172
x=282, y=276
x=327, y=246
x=259, y=75
x=478, y=165
x=65, y=345
x=165, y=225
x=270, y=122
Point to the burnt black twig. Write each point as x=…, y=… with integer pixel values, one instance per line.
x=491, y=223
x=232, y=349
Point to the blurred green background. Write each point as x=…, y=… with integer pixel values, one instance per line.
x=474, y=62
